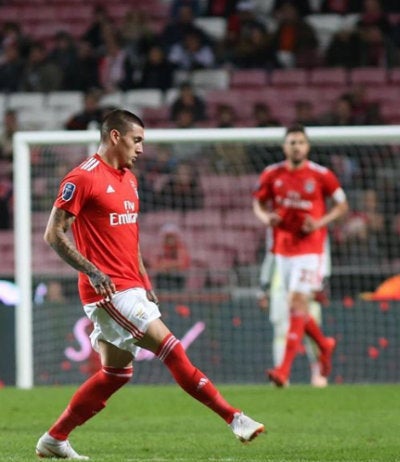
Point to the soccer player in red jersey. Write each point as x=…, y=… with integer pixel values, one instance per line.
x=99, y=201
x=290, y=197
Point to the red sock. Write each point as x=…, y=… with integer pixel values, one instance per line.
x=293, y=340
x=191, y=379
x=312, y=329
x=89, y=399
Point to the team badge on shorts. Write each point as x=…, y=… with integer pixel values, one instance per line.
x=68, y=191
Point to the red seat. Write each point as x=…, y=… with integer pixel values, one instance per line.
x=249, y=78
x=394, y=76
x=289, y=77
x=202, y=218
x=391, y=112
x=329, y=76
x=368, y=76
x=382, y=94
x=155, y=220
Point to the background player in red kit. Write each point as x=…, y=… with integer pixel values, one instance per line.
x=99, y=201
x=291, y=198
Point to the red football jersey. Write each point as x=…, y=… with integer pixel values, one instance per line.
x=105, y=203
x=293, y=195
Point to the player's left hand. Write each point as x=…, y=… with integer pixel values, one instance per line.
x=152, y=296
x=309, y=224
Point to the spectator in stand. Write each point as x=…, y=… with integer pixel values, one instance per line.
x=304, y=114
x=192, y=53
x=254, y=49
x=91, y=112
x=181, y=191
x=88, y=65
x=341, y=113
x=172, y=260
x=176, y=5
x=372, y=14
x=244, y=18
x=377, y=48
x=11, y=68
x=222, y=8
x=262, y=116
x=225, y=116
x=295, y=40
x=188, y=99
x=98, y=28
x=64, y=56
x=145, y=187
x=157, y=72
x=115, y=68
x=9, y=127
x=11, y=34
x=344, y=49
x=6, y=195
x=341, y=6
x=39, y=73
x=185, y=118
x=303, y=6
x=136, y=35
x=228, y=158
x=366, y=112
x=176, y=30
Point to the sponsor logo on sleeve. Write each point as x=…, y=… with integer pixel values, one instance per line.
x=68, y=191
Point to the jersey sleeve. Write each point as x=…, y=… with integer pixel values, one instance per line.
x=330, y=183
x=262, y=189
x=74, y=190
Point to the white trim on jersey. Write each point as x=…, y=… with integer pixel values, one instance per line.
x=90, y=164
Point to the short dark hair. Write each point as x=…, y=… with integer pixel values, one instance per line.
x=296, y=128
x=119, y=119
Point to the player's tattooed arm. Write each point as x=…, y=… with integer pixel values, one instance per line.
x=56, y=236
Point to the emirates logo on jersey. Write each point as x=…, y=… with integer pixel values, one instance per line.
x=127, y=218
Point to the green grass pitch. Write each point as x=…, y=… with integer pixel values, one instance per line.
x=161, y=424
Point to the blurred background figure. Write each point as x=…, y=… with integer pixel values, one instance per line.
x=263, y=117
x=91, y=112
x=9, y=127
x=304, y=114
x=172, y=260
x=188, y=99
x=182, y=190
x=40, y=74
x=157, y=72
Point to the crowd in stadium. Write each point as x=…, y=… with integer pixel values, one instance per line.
x=134, y=51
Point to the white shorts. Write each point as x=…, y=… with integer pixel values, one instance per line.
x=125, y=323
x=301, y=273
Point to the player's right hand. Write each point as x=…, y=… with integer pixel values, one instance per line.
x=102, y=284
x=263, y=300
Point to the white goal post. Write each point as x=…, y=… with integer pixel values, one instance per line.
x=23, y=141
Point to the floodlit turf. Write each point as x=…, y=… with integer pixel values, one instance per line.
x=160, y=423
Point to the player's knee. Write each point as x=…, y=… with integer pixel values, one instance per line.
x=298, y=303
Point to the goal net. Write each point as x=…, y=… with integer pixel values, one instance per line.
x=196, y=188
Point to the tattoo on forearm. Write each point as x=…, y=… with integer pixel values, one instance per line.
x=66, y=249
